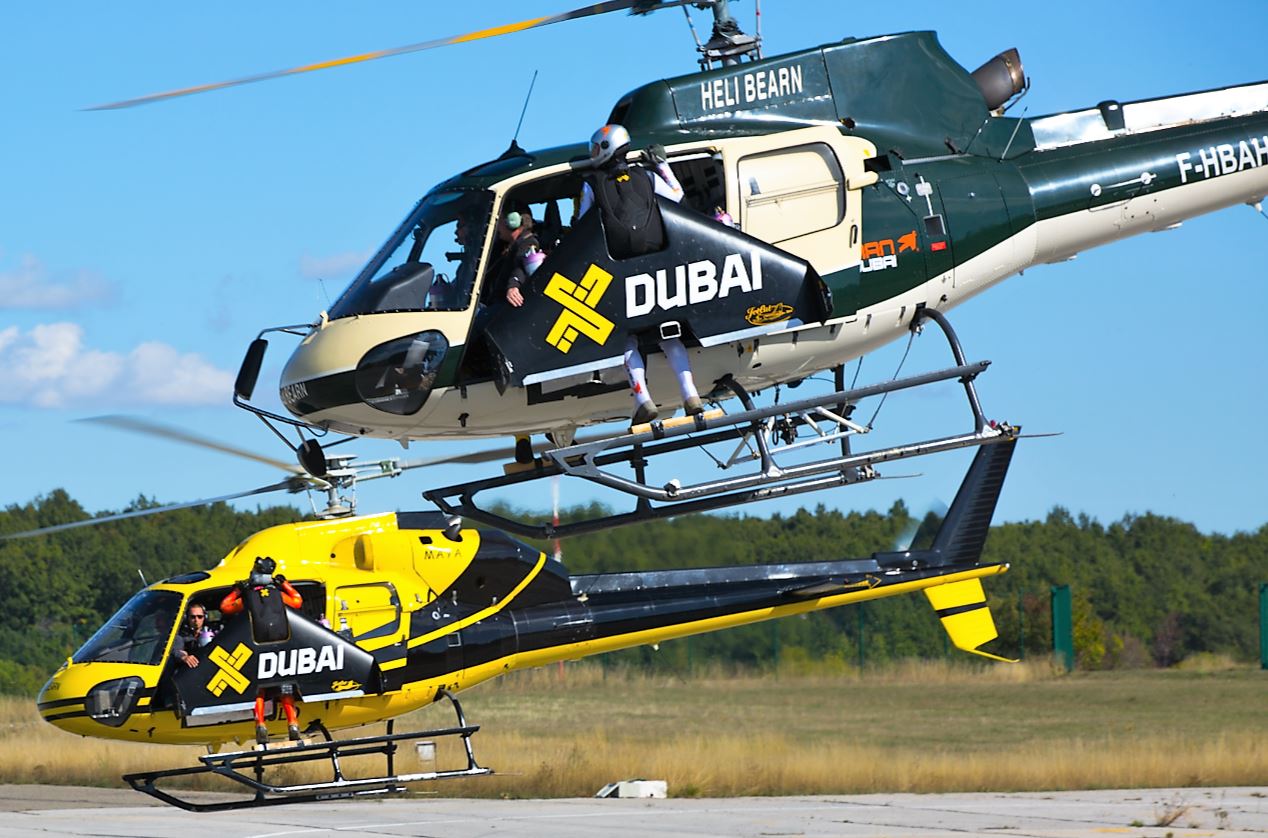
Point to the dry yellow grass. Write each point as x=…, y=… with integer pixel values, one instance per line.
x=912, y=727
x=772, y=764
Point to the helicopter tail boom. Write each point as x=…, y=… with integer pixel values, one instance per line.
x=678, y=603
x=1108, y=172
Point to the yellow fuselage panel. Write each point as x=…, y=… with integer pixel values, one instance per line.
x=164, y=727
x=362, y=563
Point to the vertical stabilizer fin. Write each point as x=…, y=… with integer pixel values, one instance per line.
x=968, y=521
x=961, y=606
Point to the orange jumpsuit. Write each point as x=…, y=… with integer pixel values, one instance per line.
x=233, y=604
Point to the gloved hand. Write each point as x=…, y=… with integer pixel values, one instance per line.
x=654, y=155
x=279, y=579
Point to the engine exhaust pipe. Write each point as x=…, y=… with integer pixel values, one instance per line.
x=1001, y=78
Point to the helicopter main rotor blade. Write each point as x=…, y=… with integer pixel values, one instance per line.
x=289, y=485
x=491, y=454
x=487, y=456
x=148, y=427
x=636, y=7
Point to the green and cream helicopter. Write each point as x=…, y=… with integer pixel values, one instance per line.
x=873, y=182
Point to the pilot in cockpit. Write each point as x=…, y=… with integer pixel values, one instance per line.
x=447, y=294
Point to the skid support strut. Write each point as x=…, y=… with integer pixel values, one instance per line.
x=233, y=765
x=766, y=433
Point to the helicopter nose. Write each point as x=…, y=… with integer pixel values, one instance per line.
x=80, y=697
x=394, y=377
x=53, y=702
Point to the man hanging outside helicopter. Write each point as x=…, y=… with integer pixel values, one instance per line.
x=632, y=224
x=265, y=597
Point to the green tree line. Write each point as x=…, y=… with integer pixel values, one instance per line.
x=1148, y=590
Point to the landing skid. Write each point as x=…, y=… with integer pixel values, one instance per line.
x=763, y=436
x=234, y=765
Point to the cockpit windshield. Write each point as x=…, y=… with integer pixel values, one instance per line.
x=429, y=263
x=137, y=633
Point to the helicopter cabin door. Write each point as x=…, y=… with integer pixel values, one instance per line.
x=371, y=612
x=798, y=190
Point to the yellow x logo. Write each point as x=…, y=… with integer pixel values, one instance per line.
x=579, y=315
x=230, y=674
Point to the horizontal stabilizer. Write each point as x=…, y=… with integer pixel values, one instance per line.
x=961, y=606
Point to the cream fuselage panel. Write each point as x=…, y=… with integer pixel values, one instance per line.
x=774, y=358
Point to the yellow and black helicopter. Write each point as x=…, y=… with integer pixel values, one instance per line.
x=404, y=609
x=859, y=218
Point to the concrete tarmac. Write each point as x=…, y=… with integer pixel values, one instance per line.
x=1157, y=813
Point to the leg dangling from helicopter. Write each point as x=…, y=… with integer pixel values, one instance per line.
x=287, y=699
x=261, y=729
x=292, y=715
x=676, y=354
x=636, y=369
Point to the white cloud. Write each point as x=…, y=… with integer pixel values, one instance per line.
x=337, y=266
x=160, y=374
x=50, y=367
x=31, y=286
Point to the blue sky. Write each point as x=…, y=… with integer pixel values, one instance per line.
x=141, y=250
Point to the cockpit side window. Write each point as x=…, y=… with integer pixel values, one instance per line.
x=428, y=264
x=138, y=633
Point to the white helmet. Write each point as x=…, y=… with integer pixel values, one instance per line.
x=606, y=142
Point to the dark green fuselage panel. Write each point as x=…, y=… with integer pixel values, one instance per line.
x=954, y=179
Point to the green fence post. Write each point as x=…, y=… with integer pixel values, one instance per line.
x=1263, y=625
x=1063, y=626
x=1021, y=626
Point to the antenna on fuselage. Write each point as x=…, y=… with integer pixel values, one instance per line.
x=514, y=149
x=524, y=109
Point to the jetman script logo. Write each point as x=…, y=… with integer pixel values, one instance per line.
x=579, y=316
x=768, y=313
x=230, y=674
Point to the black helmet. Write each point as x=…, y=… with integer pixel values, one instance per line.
x=262, y=572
